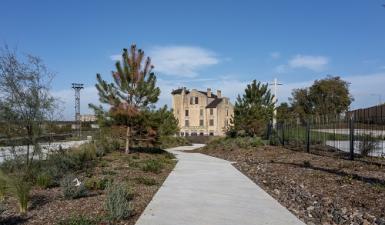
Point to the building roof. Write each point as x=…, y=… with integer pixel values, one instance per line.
x=214, y=103
x=179, y=91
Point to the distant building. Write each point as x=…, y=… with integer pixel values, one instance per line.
x=88, y=118
x=201, y=112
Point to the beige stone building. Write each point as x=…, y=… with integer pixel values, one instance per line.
x=201, y=112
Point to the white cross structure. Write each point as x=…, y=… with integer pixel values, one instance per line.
x=275, y=99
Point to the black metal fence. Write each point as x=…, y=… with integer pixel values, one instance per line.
x=338, y=133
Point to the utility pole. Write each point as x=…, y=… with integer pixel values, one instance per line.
x=77, y=87
x=275, y=87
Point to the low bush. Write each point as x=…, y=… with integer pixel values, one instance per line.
x=152, y=165
x=44, y=180
x=146, y=181
x=232, y=143
x=3, y=189
x=368, y=144
x=170, y=141
x=70, y=188
x=118, y=202
x=78, y=220
x=21, y=190
x=94, y=183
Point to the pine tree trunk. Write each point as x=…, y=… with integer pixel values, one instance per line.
x=128, y=136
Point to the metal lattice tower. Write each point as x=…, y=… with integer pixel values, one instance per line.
x=77, y=88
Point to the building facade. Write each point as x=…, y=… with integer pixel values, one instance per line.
x=201, y=112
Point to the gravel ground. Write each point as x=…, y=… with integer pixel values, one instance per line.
x=317, y=188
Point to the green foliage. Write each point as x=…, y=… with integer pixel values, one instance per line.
x=44, y=180
x=252, y=111
x=3, y=189
x=165, y=121
x=78, y=220
x=70, y=191
x=152, y=165
x=146, y=181
x=170, y=141
x=368, y=144
x=235, y=143
x=21, y=190
x=118, y=202
x=326, y=96
x=133, y=90
x=94, y=183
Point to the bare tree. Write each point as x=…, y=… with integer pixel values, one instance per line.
x=26, y=102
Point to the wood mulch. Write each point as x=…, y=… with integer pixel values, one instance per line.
x=319, y=188
x=48, y=206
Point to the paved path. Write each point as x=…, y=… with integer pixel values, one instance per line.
x=204, y=190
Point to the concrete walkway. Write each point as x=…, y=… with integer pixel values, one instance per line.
x=204, y=190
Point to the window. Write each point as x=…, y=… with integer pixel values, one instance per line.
x=200, y=122
x=181, y=133
x=211, y=133
x=186, y=112
x=211, y=122
x=201, y=112
x=191, y=100
x=227, y=112
x=201, y=134
x=186, y=123
x=196, y=100
x=211, y=111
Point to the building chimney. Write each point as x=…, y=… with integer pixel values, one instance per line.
x=209, y=92
x=219, y=93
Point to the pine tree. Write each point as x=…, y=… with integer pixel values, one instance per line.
x=134, y=89
x=253, y=110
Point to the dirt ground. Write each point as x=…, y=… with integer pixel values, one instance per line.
x=48, y=206
x=317, y=188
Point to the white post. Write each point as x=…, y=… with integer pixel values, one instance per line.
x=275, y=86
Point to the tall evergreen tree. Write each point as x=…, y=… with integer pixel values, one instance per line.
x=134, y=89
x=253, y=110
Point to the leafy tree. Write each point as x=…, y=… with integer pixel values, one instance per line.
x=330, y=96
x=133, y=91
x=26, y=102
x=253, y=110
x=284, y=112
x=326, y=96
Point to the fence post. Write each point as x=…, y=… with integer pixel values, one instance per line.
x=351, y=137
x=283, y=134
x=308, y=136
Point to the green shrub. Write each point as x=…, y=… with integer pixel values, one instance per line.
x=146, y=181
x=152, y=165
x=368, y=144
x=78, y=220
x=94, y=183
x=70, y=190
x=118, y=202
x=3, y=189
x=232, y=143
x=44, y=180
x=170, y=141
x=21, y=189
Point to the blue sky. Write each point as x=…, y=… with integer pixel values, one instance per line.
x=199, y=44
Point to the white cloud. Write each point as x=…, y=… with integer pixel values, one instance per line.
x=115, y=57
x=183, y=61
x=67, y=99
x=275, y=55
x=315, y=63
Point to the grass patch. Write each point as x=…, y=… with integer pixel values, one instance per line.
x=146, y=181
x=152, y=165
